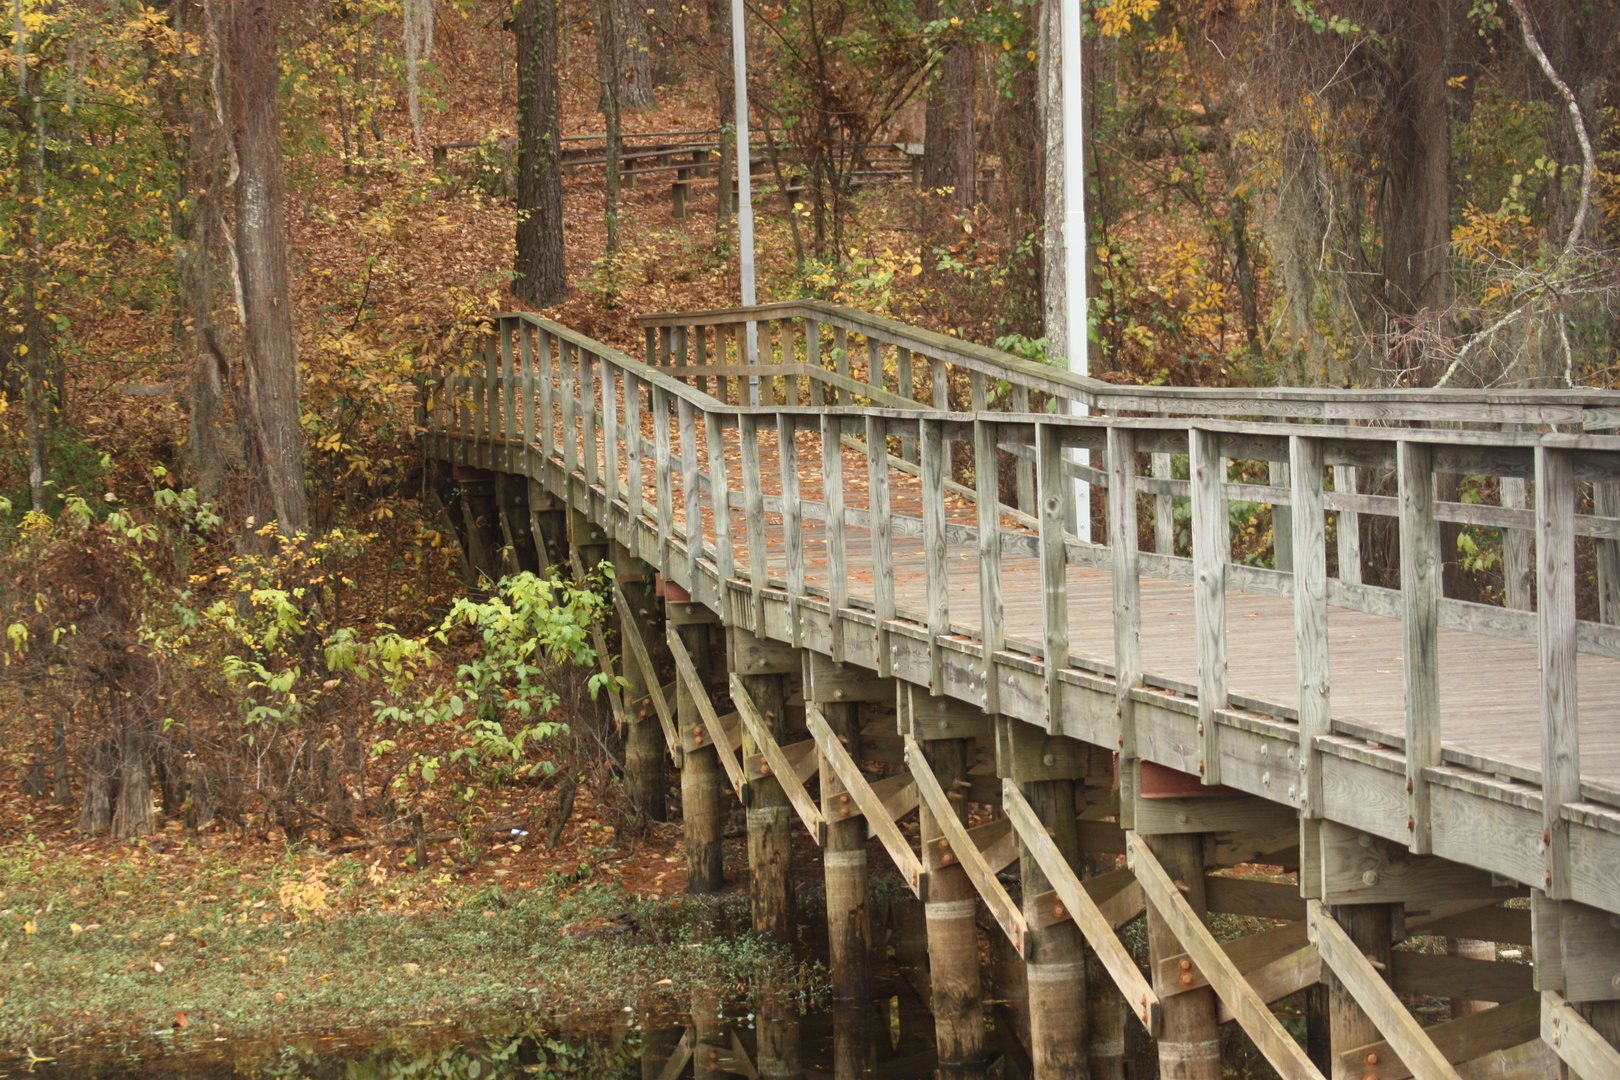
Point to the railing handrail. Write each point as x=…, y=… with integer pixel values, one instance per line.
x=1592, y=407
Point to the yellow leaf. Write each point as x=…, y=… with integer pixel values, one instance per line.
x=76, y=928
x=30, y=926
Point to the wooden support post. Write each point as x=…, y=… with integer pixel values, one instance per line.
x=702, y=781
x=643, y=737
x=708, y=1036
x=849, y=920
x=953, y=938
x=770, y=814
x=1054, y=567
x=856, y=1027
x=935, y=465
x=1055, y=962
x=1370, y=927
x=787, y=456
x=882, y=543
x=778, y=1039
x=1555, y=619
x=1189, y=1039
x=1420, y=619
x=1211, y=551
x=1125, y=564
x=993, y=631
x=1310, y=614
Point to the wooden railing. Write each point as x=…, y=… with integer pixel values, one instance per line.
x=651, y=448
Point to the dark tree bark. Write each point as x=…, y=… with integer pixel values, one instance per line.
x=632, y=51
x=948, y=133
x=726, y=109
x=610, y=59
x=1416, y=203
x=270, y=368
x=1015, y=134
x=540, y=275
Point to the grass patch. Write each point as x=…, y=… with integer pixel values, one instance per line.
x=114, y=942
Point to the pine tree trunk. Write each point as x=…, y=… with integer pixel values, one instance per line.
x=271, y=358
x=726, y=110
x=540, y=275
x=1416, y=205
x=633, y=53
x=948, y=133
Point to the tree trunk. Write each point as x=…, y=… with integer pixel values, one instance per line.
x=271, y=359
x=1049, y=96
x=948, y=134
x=632, y=48
x=1416, y=203
x=540, y=276
x=610, y=56
x=720, y=39
x=1016, y=135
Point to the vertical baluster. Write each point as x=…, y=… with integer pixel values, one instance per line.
x=1556, y=629
x=652, y=334
x=841, y=361
x=977, y=397
x=610, y=440
x=789, y=358
x=587, y=416
x=812, y=358
x=1309, y=523
x=1054, y=566
x=767, y=360
x=832, y=487
x=1164, y=509
x=700, y=351
x=489, y=400
x=908, y=447
x=877, y=492
x=661, y=355
x=1347, y=528
x=935, y=550
x=1606, y=503
x=1282, y=528
x=1420, y=619
x=566, y=358
x=1126, y=569
x=985, y=475
x=1024, y=470
x=678, y=349
x=662, y=479
x=754, y=518
x=1517, y=583
x=724, y=334
x=544, y=357
x=874, y=362
x=507, y=394
x=690, y=496
x=720, y=502
x=787, y=456
x=1211, y=550
x=942, y=384
x=526, y=336
x=633, y=451
x=461, y=385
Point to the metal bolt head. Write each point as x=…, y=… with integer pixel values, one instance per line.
x=1049, y=760
x=1370, y=878
x=1373, y=1058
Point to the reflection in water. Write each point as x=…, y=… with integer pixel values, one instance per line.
x=890, y=1038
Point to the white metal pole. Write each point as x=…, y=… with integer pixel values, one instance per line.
x=1076, y=328
x=745, y=192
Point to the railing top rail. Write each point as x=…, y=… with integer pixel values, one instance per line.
x=1590, y=406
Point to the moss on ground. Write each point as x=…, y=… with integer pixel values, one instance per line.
x=98, y=946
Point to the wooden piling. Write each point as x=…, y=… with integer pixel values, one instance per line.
x=849, y=920
x=1055, y=965
x=1371, y=927
x=708, y=1036
x=778, y=1038
x=770, y=821
x=1105, y=1007
x=701, y=777
x=643, y=738
x=855, y=1039
x=1190, y=1038
x=953, y=937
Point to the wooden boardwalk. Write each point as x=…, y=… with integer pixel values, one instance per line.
x=1386, y=745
